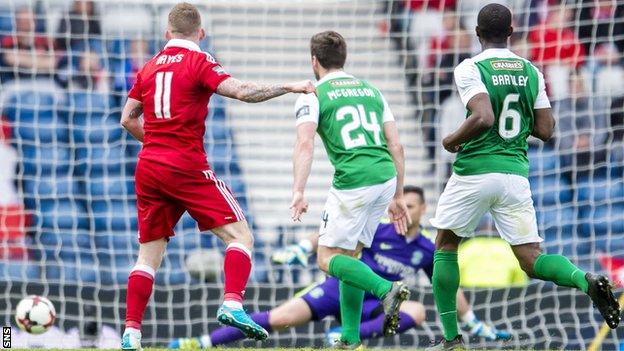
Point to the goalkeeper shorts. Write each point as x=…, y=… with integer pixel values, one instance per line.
x=324, y=300
x=507, y=197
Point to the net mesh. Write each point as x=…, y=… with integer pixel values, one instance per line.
x=67, y=202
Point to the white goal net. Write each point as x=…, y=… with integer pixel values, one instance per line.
x=67, y=204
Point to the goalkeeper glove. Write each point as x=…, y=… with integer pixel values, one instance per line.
x=292, y=255
x=484, y=330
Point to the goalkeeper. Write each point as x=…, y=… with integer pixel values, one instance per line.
x=392, y=256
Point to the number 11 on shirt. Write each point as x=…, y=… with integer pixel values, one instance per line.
x=162, y=96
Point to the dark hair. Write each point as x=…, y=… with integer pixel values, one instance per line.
x=494, y=23
x=416, y=190
x=330, y=49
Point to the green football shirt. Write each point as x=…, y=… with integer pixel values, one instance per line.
x=516, y=88
x=350, y=114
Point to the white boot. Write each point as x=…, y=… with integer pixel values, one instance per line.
x=131, y=340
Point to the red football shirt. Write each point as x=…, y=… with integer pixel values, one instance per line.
x=175, y=87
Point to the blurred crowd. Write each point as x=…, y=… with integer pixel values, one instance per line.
x=73, y=54
x=54, y=55
x=65, y=71
x=66, y=181
x=578, y=45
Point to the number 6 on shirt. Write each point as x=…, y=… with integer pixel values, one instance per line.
x=162, y=96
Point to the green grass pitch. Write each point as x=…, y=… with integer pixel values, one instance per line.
x=241, y=349
x=222, y=349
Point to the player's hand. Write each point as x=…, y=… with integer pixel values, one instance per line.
x=299, y=206
x=449, y=146
x=399, y=215
x=304, y=87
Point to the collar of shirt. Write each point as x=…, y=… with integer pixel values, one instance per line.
x=415, y=237
x=333, y=75
x=494, y=52
x=182, y=43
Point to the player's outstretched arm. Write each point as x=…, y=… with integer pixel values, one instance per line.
x=480, y=120
x=544, y=124
x=254, y=92
x=397, y=209
x=302, y=164
x=130, y=118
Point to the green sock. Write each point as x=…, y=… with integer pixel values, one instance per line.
x=357, y=274
x=559, y=270
x=351, y=301
x=445, y=284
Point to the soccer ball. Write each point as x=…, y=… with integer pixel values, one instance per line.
x=35, y=314
x=205, y=264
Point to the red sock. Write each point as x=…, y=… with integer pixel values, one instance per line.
x=236, y=266
x=140, y=283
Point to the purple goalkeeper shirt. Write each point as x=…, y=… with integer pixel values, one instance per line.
x=395, y=258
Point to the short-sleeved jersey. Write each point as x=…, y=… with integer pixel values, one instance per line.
x=395, y=257
x=350, y=114
x=175, y=87
x=516, y=88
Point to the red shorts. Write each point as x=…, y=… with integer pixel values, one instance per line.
x=164, y=193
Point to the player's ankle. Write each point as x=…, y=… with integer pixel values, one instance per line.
x=132, y=327
x=234, y=304
x=132, y=330
x=453, y=338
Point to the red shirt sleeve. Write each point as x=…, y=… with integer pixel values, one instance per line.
x=135, y=91
x=209, y=72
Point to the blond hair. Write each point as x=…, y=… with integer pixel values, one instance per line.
x=184, y=19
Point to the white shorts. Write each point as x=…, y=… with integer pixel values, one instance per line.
x=352, y=216
x=507, y=197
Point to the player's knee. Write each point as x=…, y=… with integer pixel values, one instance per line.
x=447, y=240
x=449, y=247
x=279, y=320
x=238, y=234
x=527, y=255
x=527, y=265
x=246, y=239
x=151, y=253
x=415, y=310
x=323, y=263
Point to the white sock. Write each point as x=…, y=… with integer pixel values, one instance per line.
x=233, y=304
x=468, y=317
x=205, y=341
x=132, y=330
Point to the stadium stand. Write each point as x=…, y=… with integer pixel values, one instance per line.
x=75, y=163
